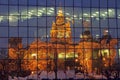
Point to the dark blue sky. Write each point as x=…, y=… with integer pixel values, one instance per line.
x=83, y=3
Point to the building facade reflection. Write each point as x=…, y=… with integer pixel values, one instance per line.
x=61, y=51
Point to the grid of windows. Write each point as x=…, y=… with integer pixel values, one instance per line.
x=73, y=36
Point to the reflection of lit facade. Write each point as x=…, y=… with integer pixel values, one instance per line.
x=88, y=52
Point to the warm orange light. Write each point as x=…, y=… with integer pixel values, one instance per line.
x=76, y=60
x=103, y=59
x=86, y=59
x=32, y=72
x=61, y=33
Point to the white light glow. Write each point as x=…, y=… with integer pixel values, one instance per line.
x=11, y=18
x=97, y=18
x=40, y=11
x=67, y=13
x=24, y=14
x=75, y=15
x=50, y=11
x=106, y=12
x=94, y=14
x=106, y=30
x=68, y=18
x=80, y=18
x=97, y=12
x=110, y=10
x=30, y=13
x=52, y=8
x=119, y=52
x=97, y=35
x=81, y=36
x=39, y=14
x=103, y=14
x=32, y=72
x=43, y=9
x=85, y=14
x=1, y=18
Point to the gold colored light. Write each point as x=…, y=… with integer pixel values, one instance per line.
x=34, y=54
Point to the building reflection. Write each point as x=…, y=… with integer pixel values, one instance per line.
x=61, y=52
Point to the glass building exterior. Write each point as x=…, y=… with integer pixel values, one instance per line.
x=27, y=43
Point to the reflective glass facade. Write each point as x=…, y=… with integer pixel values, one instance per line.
x=25, y=24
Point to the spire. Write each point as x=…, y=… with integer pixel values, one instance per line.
x=60, y=12
x=60, y=19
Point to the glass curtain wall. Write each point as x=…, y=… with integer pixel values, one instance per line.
x=59, y=36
